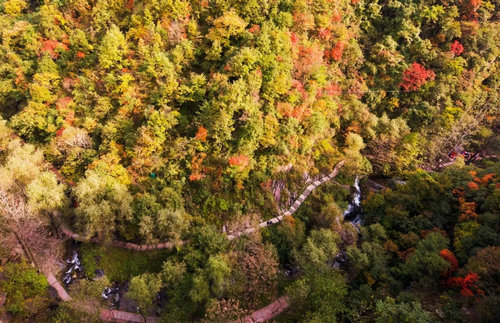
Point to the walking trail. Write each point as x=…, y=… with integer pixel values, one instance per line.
x=169, y=245
x=261, y=315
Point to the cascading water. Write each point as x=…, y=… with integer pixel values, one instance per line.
x=353, y=211
x=74, y=266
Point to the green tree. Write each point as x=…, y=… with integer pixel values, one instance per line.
x=143, y=290
x=113, y=48
x=103, y=205
x=389, y=311
x=26, y=289
x=45, y=195
x=319, y=250
x=426, y=261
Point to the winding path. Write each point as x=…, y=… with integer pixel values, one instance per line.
x=61, y=292
x=295, y=205
x=261, y=315
x=105, y=314
x=169, y=245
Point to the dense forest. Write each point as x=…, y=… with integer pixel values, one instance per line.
x=178, y=126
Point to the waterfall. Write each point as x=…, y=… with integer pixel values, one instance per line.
x=353, y=211
x=74, y=266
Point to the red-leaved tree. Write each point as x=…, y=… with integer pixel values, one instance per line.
x=416, y=76
x=468, y=286
x=456, y=48
x=336, y=52
x=448, y=255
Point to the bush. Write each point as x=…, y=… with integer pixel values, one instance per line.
x=25, y=288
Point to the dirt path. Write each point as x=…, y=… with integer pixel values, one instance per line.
x=105, y=314
x=120, y=316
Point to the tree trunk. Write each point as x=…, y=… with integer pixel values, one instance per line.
x=26, y=250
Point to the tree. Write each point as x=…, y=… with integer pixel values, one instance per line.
x=319, y=296
x=172, y=272
x=172, y=225
x=45, y=195
x=224, y=310
x=19, y=226
x=468, y=284
x=14, y=7
x=103, y=205
x=255, y=269
x=218, y=271
x=113, y=48
x=426, y=262
x=389, y=311
x=486, y=263
x=200, y=292
x=352, y=151
x=456, y=48
x=19, y=223
x=25, y=288
x=415, y=76
x=143, y=290
x=24, y=162
x=319, y=250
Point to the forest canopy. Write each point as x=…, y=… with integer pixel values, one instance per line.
x=179, y=121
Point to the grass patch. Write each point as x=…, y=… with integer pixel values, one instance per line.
x=120, y=264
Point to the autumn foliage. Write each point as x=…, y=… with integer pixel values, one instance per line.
x=50, y=46
x=467, y=209
x=416, y=76
x=456, y=48
x=448, y=255
x=201, y=134
x=479, y=181
x=196, y=168
x=239, y=161
x=469, y=9
x=467, y=284
x=336, y=52
x=80, y=55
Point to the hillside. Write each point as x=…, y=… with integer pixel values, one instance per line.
x=200, y=156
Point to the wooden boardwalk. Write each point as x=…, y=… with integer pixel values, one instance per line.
x=266, y=313
x=275, y=220
x=61, y=292
x=295, y=205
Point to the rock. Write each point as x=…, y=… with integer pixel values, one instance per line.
x=99, y=273
x=4, y=261
x=117, y=297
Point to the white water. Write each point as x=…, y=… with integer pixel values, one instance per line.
x=355, y=204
